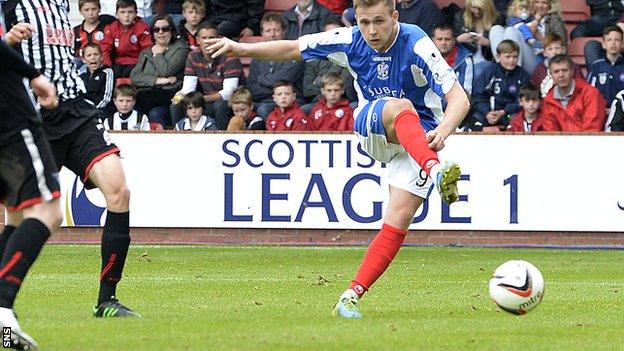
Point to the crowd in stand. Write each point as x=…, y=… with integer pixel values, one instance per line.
x=145, y=65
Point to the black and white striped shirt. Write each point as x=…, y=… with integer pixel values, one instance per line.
x=50, y=50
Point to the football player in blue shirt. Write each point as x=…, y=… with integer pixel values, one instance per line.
x=401, y=78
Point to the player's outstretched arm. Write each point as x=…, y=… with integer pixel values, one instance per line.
x=456, y=110
x=279, y=50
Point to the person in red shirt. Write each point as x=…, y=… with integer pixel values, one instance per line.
x=528, y=119
x=92, y=28
x=124, y=39
x=332, y=112
x=287, y=115
x=572, y=105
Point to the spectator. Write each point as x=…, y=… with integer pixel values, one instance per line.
x=195, y=119
x=124, y=39
x=244, y=117
x=287, y=115
x=496, y=90
x=456, y=55
x=215, y=78
x=314, y=70
x=264, y=74
x=607, y=73
x=528, y=119
x=615, y=120
x=171, y=7
x=472, y=28
x=158, y=74
x=603, y=13
x=541, y=77
x=572, y=105
x=236, y=18
x=144, y=8
x=530, y=34
x=332, y=112
x=92, y=28
x=501, y=7
x=193, y=12
x=423, y=13
x=99, y=80
x=126, y=117
x=307, y=17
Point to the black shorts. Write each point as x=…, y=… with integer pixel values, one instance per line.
x=82, y=148
x=28, y=173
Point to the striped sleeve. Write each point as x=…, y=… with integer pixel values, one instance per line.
x=108, y=88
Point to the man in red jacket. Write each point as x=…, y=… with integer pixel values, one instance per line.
x=572, y=105
x=124, y=39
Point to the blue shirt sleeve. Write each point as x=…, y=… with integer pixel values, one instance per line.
x=320, y=45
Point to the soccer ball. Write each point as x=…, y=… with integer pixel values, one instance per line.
x=517, y=286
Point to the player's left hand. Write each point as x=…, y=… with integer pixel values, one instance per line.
x=45, y=91
x=435, y=139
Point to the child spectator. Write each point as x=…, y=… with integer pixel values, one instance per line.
x=520, y=14
x=99, y=80
x=124, y=39
x=244, y=117
x=554, y=45
x=607, y=73
x=528, y=119
x=92, y=28
x=332, y=112
x=193, y=12
x=195, y=119
x=495, y=92
x=287, y=115
x=126, y=117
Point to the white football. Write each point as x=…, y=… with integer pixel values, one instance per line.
x=517, y=286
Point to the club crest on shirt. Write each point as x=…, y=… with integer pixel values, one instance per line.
x=133, y=39
x=602, y=78
x=383, y=71
x=98, y=36
x=339, y=113
x=318, y=114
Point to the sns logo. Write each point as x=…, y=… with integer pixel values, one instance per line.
x=80, y=209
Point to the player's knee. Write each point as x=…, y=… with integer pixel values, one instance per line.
x=119, y=197
x=397, y=106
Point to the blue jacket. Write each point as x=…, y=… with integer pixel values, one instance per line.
x=500, y=88
x=608, y=78
x=464, y=68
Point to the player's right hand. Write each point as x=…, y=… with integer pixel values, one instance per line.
x=220, y=46
x=45, y=91
x=19, y=32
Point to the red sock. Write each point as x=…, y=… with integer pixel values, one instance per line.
x=378, y=257
x=413, y=138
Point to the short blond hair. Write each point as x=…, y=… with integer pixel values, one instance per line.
x=241, y=96
x=196, y=5
x=332, y=78
x=368, y=3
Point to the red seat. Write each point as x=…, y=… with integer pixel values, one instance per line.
x=576, y=49
x=575, y=11
x=120, y=81
x=279, y=5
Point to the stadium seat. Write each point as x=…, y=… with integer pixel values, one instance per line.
x=120, y=81
x=575, y=11
x=279, y=5
x=576, y=46
x=444, y=3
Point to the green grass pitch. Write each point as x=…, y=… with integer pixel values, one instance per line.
x=280, y=298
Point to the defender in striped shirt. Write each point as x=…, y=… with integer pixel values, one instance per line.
x=43, y=33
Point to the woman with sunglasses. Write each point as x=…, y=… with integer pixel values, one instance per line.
x=158, y=74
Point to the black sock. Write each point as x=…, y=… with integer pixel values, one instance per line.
x=115, y=243
x=21, y=251
x=4, y=238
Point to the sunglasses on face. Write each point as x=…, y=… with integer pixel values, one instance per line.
x=166, y=29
